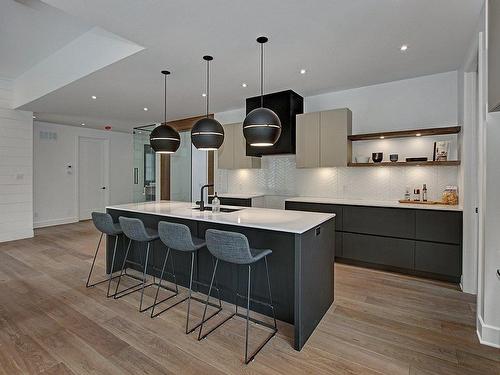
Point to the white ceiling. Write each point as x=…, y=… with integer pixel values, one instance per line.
x=342, y=44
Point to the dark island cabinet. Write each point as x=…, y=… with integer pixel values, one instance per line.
x=423, y=242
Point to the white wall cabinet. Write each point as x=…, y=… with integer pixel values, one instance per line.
x=322, y=139
x=232, y=153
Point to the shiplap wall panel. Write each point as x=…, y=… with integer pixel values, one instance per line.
x=16, y=169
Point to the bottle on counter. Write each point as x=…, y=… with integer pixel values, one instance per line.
x=424, y=193
x=215, y=204
x=416, y=195
x=407, y=194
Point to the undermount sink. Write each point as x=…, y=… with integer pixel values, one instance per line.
x=222, y=209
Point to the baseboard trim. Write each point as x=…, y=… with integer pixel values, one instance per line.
x=50, y=223
x=17, y=235
x=488, y=335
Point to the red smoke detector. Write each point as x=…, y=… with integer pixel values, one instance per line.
x=107, y=127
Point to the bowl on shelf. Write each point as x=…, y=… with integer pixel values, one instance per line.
x=362, y=159
x=393, y=157
x=377, y=157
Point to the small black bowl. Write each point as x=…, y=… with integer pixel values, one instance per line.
x=377, y=157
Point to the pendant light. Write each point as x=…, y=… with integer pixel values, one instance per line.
x=164, y=139
x=262, y=127
x=207, y=133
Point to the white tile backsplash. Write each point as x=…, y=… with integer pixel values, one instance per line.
x=279, y=177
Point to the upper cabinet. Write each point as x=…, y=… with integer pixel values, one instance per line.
x=494, y=55
x=232, y=153
x=322, y=139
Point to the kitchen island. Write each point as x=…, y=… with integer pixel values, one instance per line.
x=301, y=265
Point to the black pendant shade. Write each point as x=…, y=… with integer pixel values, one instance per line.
x=207, y=133
x=164, y=139
x=262, y=127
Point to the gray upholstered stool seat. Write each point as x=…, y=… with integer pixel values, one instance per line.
x=135, y=230
x=104, y=223
x=178, y=237
x=232, y=247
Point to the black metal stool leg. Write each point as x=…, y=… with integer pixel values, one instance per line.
x=144, y=277
x=248, y=316
x=93, y=261
x=270, y=295
x=112, y=267
x=121, y=271
x=190, y=292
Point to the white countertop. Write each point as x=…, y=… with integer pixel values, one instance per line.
x=238, y=195
x=366, y=202
x=262, y=218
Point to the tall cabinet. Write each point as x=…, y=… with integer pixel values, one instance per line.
x=232, y=153
x=322, y=139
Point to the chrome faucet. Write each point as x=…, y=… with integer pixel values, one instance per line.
x=200, y=202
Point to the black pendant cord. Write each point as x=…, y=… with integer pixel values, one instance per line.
x=262, y=75
x=208, y=84
x=165, y=98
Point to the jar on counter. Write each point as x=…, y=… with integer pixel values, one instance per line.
x=450, y=195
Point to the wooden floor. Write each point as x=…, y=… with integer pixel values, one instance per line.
x=381, y=323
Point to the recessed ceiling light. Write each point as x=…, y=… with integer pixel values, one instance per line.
x=94, y=97
x=203, y=94
x=303, y=71
x=145, y=108
x=34, y=116
x=82, y=124
x=382, y=137
x=418, y=135
x=404, y=47
x=244, y=84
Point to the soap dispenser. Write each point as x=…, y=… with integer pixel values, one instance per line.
x=215, y=204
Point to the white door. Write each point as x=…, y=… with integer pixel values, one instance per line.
x=92, y=189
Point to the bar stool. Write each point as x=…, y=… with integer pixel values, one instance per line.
x=178, y=237
x=135, y=231
x=233, y=248
x=104, y=223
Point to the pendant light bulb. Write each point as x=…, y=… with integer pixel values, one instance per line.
x=207, y=133
x=164, y=139
x=262, y=126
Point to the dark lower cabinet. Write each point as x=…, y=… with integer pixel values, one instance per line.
x=425, y=242
x=385, y=251
x=438, y=258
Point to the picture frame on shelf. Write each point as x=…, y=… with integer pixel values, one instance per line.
x=441, y=151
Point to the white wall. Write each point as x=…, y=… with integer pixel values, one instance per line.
x=16, y=168
x=429, y=101
x=55, y=198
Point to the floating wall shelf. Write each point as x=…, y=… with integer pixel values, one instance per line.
x=405, y=133
x=405, y=163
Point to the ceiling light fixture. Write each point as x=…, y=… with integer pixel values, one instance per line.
x=303, y=71
x=207, y=133
x=94, y=97
x=82, y=124
x=244, y=84
x=145, y=109
x=204, y=95
x=404, y=47
x=164, y=139
x=262, y=127
x=418, y=135
x=34, y=116
x=382, y=137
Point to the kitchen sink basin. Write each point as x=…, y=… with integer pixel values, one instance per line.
x=222, y=209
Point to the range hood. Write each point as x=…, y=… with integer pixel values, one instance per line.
x=286, y=104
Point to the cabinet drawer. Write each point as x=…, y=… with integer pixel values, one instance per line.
x=439, y=226
x=438, y=258
x=380, y=221
x=338, y=244
x=318, y=207
x=379, y=250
